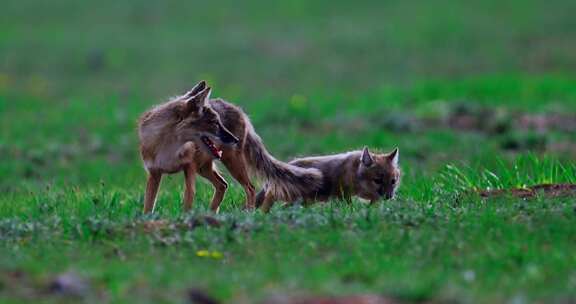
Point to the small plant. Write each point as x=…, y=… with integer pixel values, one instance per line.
x=523, y=172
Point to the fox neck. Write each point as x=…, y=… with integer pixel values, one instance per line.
x=349, y=179
x=356, y=171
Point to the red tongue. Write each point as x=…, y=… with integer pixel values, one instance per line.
x=217, y=152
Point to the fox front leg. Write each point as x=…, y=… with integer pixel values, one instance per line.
x=154, y=179
x=190, y=186
x=186, y=155
x=220, y=185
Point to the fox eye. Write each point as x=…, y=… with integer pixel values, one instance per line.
x=393, y=181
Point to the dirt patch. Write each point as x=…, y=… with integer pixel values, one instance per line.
x=69, y=284
x=202, y=221
x=192, y=223
x=547, y=122
x=464, y=117
x=500, y=120
x=154, y=225
x=565, y=148
x=357, y=299
x=547, y=190
x=468, y=117
x=199, y=296
x=513, y=130
x=64, y=286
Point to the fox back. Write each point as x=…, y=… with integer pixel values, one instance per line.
x=156, y=130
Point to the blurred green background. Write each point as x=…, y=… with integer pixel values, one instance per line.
x=65, y=49
x=313, y=75
x=485, y=86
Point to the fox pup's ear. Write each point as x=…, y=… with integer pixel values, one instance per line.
x=366, y=157
x=195, y=103
x=393, y=157
x=199, y=87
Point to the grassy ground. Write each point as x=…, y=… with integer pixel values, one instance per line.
x=476, y=95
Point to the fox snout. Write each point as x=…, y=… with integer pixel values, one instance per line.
x=386, y=194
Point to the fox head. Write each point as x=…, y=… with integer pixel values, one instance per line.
x=201, y=124
x=378, y=175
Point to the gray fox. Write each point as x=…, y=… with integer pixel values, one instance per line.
x=357, y=173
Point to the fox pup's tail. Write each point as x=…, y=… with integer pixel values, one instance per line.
x=287, y=182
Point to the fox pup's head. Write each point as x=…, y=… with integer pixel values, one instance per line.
x=201, y=124
x=378, y=175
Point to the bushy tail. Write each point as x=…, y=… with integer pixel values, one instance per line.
x=287, y=182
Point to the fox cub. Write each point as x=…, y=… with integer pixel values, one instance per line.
x=358, y=173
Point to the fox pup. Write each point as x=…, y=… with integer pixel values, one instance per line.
x=357, y=173
x=189, y=132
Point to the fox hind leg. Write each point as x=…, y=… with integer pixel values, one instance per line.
x=237, y=166
x=220, y=185
x=268, y=201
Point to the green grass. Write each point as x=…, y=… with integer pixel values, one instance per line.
x=76, y=206
x=410, y=249
x=316, y=78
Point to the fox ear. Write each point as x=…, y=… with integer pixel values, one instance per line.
x=196, y=89
x=393, y=157
x=197, y=102
x=366, y=157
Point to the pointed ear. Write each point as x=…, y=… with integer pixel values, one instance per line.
x=366, y=158
x=393, y=157
x=199, y=87
x=198, y=101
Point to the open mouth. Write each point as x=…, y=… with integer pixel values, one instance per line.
x=211, y=147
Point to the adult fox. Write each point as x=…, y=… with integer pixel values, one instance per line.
x=189, y=132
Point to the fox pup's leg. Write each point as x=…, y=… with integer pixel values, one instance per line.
x=210, y=173
x=152, y=186
x=259, y=199
x=268, y=202
x=190, y=186
x=236, y=164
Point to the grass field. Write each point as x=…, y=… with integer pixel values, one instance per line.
x=478, y=95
